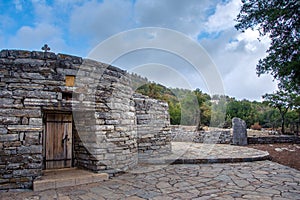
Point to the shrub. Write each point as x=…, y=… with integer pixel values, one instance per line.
x=256, y=126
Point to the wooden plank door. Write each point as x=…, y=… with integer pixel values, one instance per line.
x=58, y=141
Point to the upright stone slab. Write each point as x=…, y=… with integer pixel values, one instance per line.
x=239, y=132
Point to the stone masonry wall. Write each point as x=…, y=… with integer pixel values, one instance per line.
x=113, y=145
x=153, y=127
x=190, y=134
x=33, y=84
x=274, y=139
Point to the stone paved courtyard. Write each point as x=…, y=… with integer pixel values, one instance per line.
x=199, y=153
x=247, y=180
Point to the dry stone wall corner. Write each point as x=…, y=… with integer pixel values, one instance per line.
x=153, y=127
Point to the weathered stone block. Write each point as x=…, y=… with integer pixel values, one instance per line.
x=35, y=165
x=5, y=94
x=23, y=150
x=14, y=166
x=9, y=120
x=3, y=130
x=24, y=128
x=9, y=137
x=40, y=102
x=32, y=138
x=11, y=144
x=36, y=149
x=26, y=172
x=26, y=86
x=24, y=121
x=21, y=112
x=6, y=102
x=239, y=129
x=35, y=76
x=36, y=121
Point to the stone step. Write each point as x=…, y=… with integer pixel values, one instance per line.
x=199, y=153
x=57, y=178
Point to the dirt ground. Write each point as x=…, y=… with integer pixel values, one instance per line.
x=285, y=154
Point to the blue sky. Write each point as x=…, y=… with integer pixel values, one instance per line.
x=77, y=26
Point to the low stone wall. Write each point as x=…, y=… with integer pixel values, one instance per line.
x=153, y=127
x=273, y=140
x=220, y=136
x=190, y=134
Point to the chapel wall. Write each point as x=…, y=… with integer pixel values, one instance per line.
x=153, y=127
x=98, y=96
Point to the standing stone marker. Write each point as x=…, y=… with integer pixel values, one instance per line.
x=239, y=132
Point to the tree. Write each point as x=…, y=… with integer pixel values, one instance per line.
x=282, y=101
x=243, y=109
x=279, y=19
x=175, y=113
x=190, y=113
x=269, y=118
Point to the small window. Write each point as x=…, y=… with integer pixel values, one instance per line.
x=70, y=81
x=66, y=95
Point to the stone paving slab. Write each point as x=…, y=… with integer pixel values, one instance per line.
x=57, y=178
x=197, y=153
x=246, y=180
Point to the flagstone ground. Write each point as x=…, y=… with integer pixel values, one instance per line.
x=247, y=180
x=242, y=180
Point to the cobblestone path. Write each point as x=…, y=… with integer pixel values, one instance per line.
x=249, y=180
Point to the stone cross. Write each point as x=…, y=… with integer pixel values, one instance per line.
x=46, y=48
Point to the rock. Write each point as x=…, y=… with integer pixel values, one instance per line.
x=9, y=120
x=24, y=120
x=9, y=137
x=239, y=132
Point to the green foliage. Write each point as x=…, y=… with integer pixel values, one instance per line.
x=283, y=101
x=269, y=117
x=188, y=107
x=175, y=113
x=244, y=109
x=279, y=19
x=190, y=113
x=218, y=111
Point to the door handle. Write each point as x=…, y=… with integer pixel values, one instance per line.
x=65, y=139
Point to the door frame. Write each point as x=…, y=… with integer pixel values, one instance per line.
x=45, y=113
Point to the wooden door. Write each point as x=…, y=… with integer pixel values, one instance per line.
x=58, y=141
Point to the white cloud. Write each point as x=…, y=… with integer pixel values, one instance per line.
x=98, y=21
x=236, y=54
x=43, y=12
x=18, y=5
x=224, y=16
x=249, y=41
x=184, y=16
x=34, y=37
x=236, y=57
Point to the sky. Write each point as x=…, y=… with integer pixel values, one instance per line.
x=77, y=27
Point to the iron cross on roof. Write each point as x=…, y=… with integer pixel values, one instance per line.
x=46, y=48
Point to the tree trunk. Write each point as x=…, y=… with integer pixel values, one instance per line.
x=282, y=114
x=282, y=125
